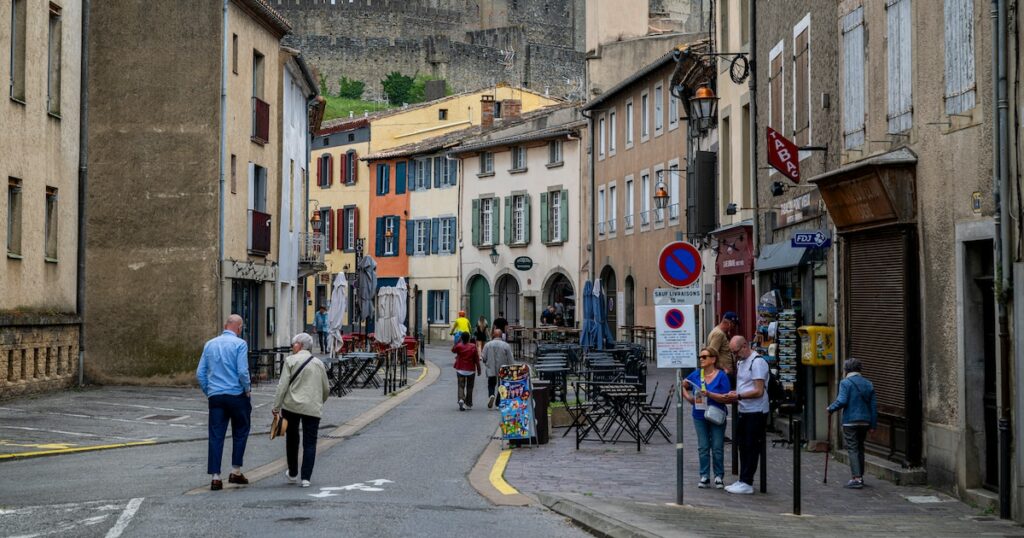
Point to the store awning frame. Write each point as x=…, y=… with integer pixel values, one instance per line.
x=775, y=256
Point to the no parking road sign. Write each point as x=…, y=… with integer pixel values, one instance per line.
x=679, y=264
x=676, y=336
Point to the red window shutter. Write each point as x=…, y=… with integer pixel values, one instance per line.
x=340, y=230
x=343, y=167
x=330, y=171
x=319, y=183
x=355, y=225
x=354, y=160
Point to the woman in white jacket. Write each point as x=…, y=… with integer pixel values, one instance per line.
x=301, y=394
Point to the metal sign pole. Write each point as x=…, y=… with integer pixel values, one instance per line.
x=679, y=436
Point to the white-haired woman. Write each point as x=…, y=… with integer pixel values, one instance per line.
x=301, y=394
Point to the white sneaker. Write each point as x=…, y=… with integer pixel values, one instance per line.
x=740, y=488
x=305, y=484
x=291, y=479
x=462, y=405
x=490, y=402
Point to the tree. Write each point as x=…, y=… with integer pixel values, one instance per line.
x=323, y=84
x=350, y=89
x=397, y=87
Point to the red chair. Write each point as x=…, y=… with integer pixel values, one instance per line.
x=412, y=350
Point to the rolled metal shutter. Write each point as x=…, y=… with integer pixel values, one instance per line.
x=877, y=313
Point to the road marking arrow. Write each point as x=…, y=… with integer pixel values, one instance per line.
x=380, y=482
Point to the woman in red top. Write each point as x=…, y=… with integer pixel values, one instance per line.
x=467, y=367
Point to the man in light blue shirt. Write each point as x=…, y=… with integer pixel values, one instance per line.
x=322, y=328
x=223, y=375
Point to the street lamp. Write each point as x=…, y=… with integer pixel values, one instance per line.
x=703, y=106
x=661, y=196
x=314, y=221
x=494, y=255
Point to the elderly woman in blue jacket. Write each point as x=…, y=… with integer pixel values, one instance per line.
x=860, y=416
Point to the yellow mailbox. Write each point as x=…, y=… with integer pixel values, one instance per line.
x=817, y=344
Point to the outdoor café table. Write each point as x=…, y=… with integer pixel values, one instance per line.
x=624, y=402
x=335, y=374
x=558, y=377
x=362, y=361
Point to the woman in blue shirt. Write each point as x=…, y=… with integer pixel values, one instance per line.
x=706, y=386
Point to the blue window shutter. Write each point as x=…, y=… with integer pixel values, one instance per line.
x=446, y=311
x=435, y=236
x=430, y=306
x=476, y=222
x=453, y=172
x=379, y=240
x=410, y=238
x=451, y=242
x=400, y=180
x=426, y=172
x=387, y=178
x=398, y=234
x=438, y=171
x=412, y=175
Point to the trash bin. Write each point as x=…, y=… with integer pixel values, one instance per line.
x=541, y=401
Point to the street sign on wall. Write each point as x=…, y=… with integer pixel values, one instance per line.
x=676, y=336
x=783, y=155
x=818, y=239
x=669, y=296
x=679, y=264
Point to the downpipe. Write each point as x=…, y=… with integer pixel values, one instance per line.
x=83, y=184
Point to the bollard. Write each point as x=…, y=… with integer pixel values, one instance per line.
x=764, y=454
x=794, y=433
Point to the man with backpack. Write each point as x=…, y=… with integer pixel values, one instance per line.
x=752, y=396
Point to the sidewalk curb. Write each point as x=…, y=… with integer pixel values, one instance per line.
x=480, y=478
x=593, y=521
x=350, y=428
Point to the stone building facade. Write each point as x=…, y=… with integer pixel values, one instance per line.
x=39, y=159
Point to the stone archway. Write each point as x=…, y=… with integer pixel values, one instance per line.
x=610, y=289
x=560, y=293
x=506, y=299
x=479, y=299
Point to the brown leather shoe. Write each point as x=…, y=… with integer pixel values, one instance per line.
x=216, y=485
x=238, y=478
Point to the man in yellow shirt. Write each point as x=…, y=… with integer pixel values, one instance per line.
x=461, y=325
x=719, y=341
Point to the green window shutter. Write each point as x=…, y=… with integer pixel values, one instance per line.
x=476, y=223
x=496, y=222
x=526, y=218
x=508, y=220
x=565, y=216
x=544, y=218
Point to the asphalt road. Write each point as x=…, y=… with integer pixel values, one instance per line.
x=403, y=475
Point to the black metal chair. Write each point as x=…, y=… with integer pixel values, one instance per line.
x=655, y=418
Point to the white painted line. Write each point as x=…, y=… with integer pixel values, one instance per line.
x=76, y=434
x=126, y=518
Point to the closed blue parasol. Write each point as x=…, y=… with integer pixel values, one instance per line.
x=589, y=331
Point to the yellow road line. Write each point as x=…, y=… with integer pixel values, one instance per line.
x=72, y=450
x=497, y=480
x=422, y=375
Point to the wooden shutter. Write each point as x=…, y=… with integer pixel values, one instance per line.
x=775, y=103
x=853, y=79
x=398, y=234
x=430, y=306
x=496, y=221
x=400, y=177
x=439, y=170
x=545, y=217
x=330, y=170
x=379, y=239
x=342, y=168
x=476, y=223
x=508, y=220
x=900, y=70
x=565, y=216
x=435, y=235
x=319, y=177
x=425, y=172
x=960, y=76
x=526, y=219
x=451, y=238
x=453, y=172
x=410, y=238
x=340, y=228
x=353, y=163
x=801, y=93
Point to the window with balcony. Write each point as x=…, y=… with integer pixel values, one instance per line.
x=259, y=219
x=630, y=195
x=613, y=209
x=601, y=212
x=645, y=200
x=260, y=108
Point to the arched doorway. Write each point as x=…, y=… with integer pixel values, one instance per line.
x=479, y=299
x=560, y=293
x=507, y=290
x=630, y=289
x=608, y=285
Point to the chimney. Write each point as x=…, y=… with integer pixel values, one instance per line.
x=486, y=111
x=511, y=108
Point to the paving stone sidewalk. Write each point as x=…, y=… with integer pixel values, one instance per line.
x=643, y=483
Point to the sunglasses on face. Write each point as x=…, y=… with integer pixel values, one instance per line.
x=705, y=356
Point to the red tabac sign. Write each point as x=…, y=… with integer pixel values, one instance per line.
x=783, y=155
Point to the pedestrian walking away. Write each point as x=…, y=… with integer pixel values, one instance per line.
x=223, y=375
x=460, y=325
x=707, y=388
x=480, y=332
x=500, y=323
x=301, y=394
x=860, y=416
x=321, y=327
x=467, y=367
x=752, y=397
x=497, y=353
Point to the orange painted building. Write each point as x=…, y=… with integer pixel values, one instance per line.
x=389, y=209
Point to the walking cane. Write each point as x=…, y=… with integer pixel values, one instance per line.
x=828, y=448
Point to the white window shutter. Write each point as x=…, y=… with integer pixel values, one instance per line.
x=960, y=90
x=853, y=79
x=252, y=186
x=900, y=93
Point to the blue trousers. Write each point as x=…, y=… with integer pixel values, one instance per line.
x=710, y=440
x=235, y=408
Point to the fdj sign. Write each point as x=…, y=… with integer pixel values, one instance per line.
x=783, y=155
x=817, y=239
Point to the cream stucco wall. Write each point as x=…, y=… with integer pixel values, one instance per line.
x=548, y=260
x=42, y=151
x=734, y=151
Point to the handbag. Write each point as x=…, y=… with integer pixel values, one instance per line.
x=279, y=424
x=715, y=415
